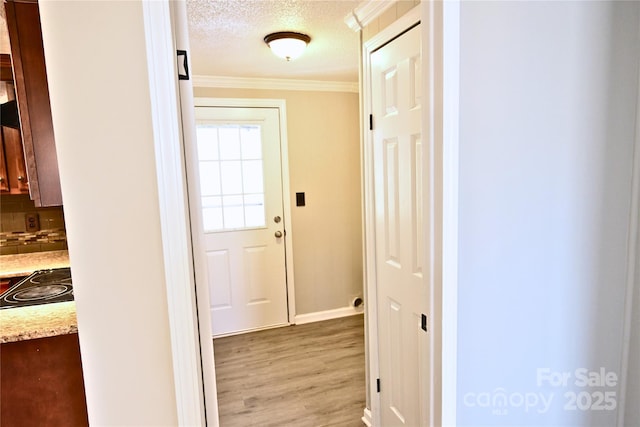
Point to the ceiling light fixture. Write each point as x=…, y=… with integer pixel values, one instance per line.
x=287, y=44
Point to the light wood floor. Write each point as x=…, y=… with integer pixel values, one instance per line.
x=300, y=376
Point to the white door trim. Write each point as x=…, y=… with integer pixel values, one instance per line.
x=174, y=220
x=633, y=265
x=281, y=105
x=440, y=72
x=371, y=286
x=441, y=75
x=450, y=81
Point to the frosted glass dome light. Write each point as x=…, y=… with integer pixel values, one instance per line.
x=287, y=45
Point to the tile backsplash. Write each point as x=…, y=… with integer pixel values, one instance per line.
x=14, y=237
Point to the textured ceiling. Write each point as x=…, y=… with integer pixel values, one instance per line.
x=226, y=38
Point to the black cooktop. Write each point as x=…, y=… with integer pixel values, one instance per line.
x=41, y=287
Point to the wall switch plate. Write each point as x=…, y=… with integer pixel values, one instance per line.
x=32, y=221
x=300, y=199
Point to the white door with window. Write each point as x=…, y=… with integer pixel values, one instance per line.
x=399, y=232
x=240, y=213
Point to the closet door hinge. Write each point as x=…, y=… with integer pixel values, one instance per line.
x=424, y=323
x=370, y=121
x=183, y=66
x=378, y=385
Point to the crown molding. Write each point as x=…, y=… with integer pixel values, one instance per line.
x=366, y=12
x=274, y=84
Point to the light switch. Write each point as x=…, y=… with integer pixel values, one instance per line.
x=300, y=199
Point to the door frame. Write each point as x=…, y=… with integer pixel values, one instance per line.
x=281, y=106
x=633, y=276
x=370, y=267
x=440, y=94
x=196, y=401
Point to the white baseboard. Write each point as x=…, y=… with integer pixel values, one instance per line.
x=327, y=315
x=366, y=418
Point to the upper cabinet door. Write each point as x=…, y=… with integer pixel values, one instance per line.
x=32, y=93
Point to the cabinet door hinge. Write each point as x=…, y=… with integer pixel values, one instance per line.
x=183, y=66
x=378, y=385
x=424, y=323
x=370, y=121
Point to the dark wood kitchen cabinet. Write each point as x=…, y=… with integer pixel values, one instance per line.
x=6, y=74
x=13, y=173
x=32, y=93
x=41, y=383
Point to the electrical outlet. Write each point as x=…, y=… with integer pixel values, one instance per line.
x=32, y=221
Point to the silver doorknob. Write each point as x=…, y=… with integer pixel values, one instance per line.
x=278, y=234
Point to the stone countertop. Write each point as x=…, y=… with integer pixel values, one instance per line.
x=25, y=264
x=37, y=321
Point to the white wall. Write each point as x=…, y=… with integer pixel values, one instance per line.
x=96, y=65
x=547, y=118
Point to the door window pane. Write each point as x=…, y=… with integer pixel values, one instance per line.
x=252, y=176
x=212, y=219
x=209, y=178
x=212, y=213
x=233, y=211
x=251, y=142
x=231, y=176
x=212, y=202
x=207, y=142
x=229, y=137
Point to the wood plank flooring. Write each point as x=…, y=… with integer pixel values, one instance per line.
x=308, y=375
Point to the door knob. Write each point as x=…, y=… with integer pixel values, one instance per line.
x=277, y=219
x=278, y=234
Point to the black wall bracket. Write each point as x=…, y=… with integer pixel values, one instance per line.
x=183, y=68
